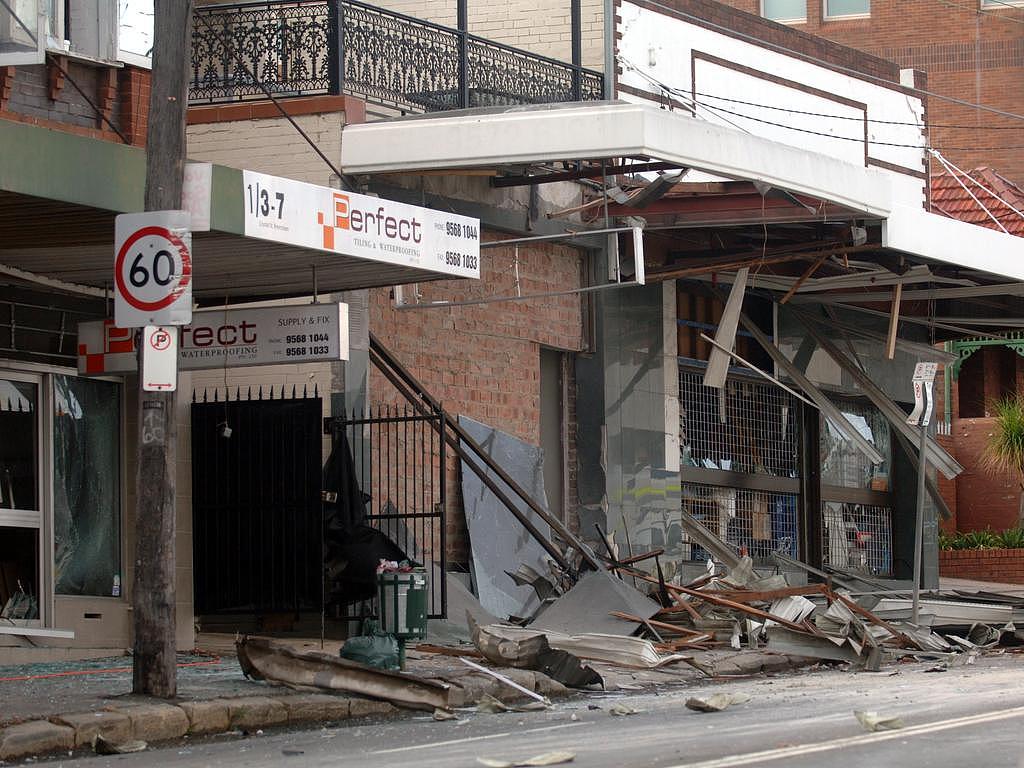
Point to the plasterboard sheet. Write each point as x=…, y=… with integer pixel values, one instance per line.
x=498, y=542
x=586, y=607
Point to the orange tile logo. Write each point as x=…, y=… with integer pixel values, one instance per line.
x=341, y=219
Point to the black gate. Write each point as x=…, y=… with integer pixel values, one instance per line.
x=395, y=458
x=256, y=469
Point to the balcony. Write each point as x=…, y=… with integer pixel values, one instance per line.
x=241, y=51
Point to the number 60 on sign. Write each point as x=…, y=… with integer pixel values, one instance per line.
x=152, y=269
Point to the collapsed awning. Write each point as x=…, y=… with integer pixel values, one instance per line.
x=60, y=192
x=517, y=137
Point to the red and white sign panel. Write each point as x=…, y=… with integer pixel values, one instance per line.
x=159, y=358
x=152, y=269
x=289, y=334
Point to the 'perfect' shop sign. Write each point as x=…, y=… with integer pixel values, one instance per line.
x=234, y=338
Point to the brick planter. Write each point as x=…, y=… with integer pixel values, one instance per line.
x=997, y=565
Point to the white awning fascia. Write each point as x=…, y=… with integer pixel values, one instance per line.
x=960, y=243
x=605, y=130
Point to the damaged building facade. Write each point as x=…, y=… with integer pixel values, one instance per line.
x=620, y=241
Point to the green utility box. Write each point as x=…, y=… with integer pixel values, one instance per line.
x=403, y=606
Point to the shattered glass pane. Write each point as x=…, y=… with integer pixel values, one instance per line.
x=842, y=463
x=86, y=498
x=19, y=451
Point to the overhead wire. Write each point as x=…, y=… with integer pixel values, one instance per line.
x=858, y=118
x=966, y=189
x=671, y=11
x=679, y=93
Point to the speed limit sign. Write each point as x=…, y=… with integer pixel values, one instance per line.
x=152, y=269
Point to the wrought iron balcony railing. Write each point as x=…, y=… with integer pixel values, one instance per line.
x=343, y=46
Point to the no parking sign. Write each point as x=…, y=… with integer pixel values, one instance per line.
x=152, y=269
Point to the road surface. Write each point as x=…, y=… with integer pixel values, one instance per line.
x=968, y=716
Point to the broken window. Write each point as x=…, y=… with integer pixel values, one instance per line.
x=842, y=463
x=19, y=452
x=19, y=573
x=86, y=477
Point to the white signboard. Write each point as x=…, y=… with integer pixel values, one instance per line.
x=196, y=194
x=924, y=402
x=152, y=269
x=233, y=338
x=159, y=358
x=307, y=215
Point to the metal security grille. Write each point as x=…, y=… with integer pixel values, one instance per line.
x=747, y=427
x=397, y=462
x=759, y=523
x=842, y=463
x=857, y=537
x=256, y=502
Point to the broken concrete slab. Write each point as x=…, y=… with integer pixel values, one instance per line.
x=525, y=649
x=585, y=608
x=498, y=542
x=872, y=721
x=33, y=738
x=115, y=726
x=717, y=702
x=102, y=746
x=264, y=660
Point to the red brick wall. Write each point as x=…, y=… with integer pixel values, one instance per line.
x=995, y=565
x=977, y=57
x=41, y=95
x=984, y=499
x=483, y=361
x=948, y=487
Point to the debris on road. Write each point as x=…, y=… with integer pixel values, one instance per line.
x=717, y=702
x=492, y=706
x=262, y=659
x=622, y=710
x=102, y=746
x=510, y=683
x=872, y=722
x=548, y=758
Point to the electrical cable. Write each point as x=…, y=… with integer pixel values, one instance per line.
x=714, y=109
x=974, y=197
x=861, y=119
x=760, y=42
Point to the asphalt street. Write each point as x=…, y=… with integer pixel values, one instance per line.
x=969, y=715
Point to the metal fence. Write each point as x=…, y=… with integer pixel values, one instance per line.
x=857, y=537
x=343, y=46
x=758, y=523
x=397, y=460
x=748, y=427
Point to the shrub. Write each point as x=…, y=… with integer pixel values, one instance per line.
x=1012, y=538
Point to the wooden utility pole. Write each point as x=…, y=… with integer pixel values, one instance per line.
x=154, y=670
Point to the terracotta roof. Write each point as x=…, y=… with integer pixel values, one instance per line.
x=951, y=199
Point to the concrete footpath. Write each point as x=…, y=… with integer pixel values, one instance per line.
x=62, y=707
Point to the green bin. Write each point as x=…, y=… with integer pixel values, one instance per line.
x=403, y=605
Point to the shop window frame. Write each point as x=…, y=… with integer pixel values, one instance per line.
x=43, y=375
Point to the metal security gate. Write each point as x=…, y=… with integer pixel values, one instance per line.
x=395, y=457
x=256, y=476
